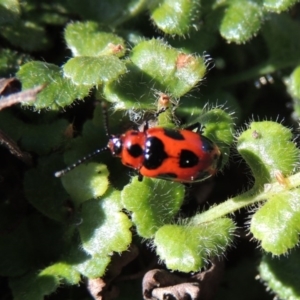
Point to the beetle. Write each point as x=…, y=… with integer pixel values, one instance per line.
x=182, y=155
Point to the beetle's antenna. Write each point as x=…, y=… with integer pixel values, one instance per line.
x=105, y=119
x=79, y=162
x=96, y=152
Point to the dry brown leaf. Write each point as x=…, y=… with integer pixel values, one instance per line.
x=160, y=284
x=14, y=149
x=24, y=96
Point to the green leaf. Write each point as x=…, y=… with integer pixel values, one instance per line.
x=58, y=93
x=278, y=5
x=277, y=223
x=261, y=146
x=41, y=139
x=152, y=202
x=9, y=11
x=218, y=127
x=281, y=275
x=186, y=248
x=90, y=266
x=281, y=37
x=61, y=270
x=104, y=228
x=37, y=284
x=155, y=66
x=53, y=13
x=293, y=84
x=10, y=61
x=86, y=182
x=90, y=71
x=33, y=286
x=176, y=17
x=130, y=91
x=241, y=21
x=26, y=35
x=91, y=39
x=172, y=70
x=44, y=191
x=213, y=14
x=109, y=12
x=93, y=137
x=95, y=266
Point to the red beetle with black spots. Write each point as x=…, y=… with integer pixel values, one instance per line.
x=182, y=155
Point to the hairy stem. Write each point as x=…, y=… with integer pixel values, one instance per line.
x=248, y=198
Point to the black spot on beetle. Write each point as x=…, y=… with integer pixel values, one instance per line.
x=135, y=150
x=188, y=159
x=154, y=153
x=173, y=134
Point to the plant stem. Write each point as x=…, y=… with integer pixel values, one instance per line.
x=248, y=198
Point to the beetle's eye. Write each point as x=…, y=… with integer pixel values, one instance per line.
x=117, y=146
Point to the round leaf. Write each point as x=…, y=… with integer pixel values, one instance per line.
x=26, y=35
x=176, y=17
x=44, y=191
x=277, y=223
x=263, y=145
x=86, y=182
x=153, y=203
x=186, y=248
x=90, y=71
x=89, y=39
x=105, y=229
x=282, y=274
x=241, y=21
x=58, y=93
x=33, y=286
x=171, y=70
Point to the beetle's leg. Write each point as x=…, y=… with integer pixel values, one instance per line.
x=140, y=177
